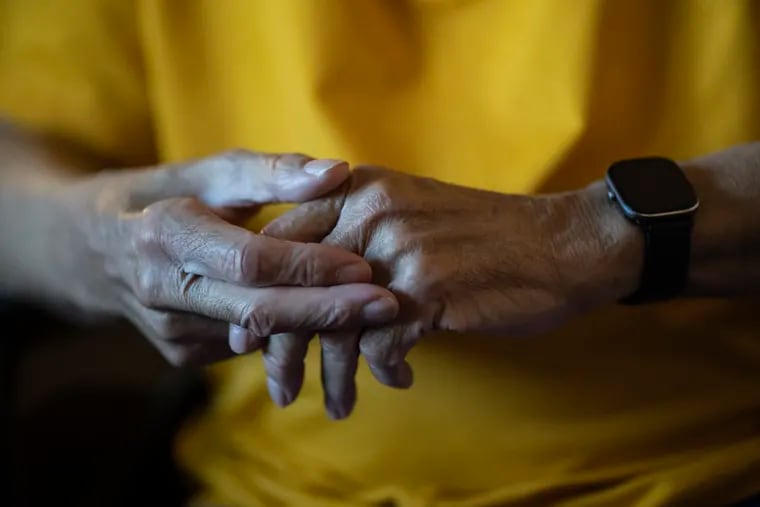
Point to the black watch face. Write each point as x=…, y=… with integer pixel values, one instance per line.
x=651, y=187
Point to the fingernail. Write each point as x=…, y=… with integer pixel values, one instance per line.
x=354, y=273
x=278, y=394
x=380, y=310
x=335, y=411
x=321, y=166
x=243, y=341
x=404, y=375
x=399, y=377
x=239, y=339
x=237, y=343
x=340, y=407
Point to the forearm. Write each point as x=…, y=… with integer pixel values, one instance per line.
x=725, y=255
x=29, y=176
x=725, y=258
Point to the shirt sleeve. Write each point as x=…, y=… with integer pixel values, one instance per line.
x=74, y=71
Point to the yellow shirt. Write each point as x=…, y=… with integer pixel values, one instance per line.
x=629, y=406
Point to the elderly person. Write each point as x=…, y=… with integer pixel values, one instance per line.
x=488, y=215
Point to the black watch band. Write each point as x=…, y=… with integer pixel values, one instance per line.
x=666, y=261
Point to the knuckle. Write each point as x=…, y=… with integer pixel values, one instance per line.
x=341, y=350
x=301, y=264
x=147, y=287
x=191, y=291
x=393, y=241
x=281, y=366
x=337, y=315
x=278, y=161
x=382, y=349
x=307, y=265
x=240, y=262
x=379, y=196
x=374, y=351
x=259, y=320
x=232, y=160
x=297, y=158
x=271, y=162
x=417, y=277
x=380, y=206
x=155, y=232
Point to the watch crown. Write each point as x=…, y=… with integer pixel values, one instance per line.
x=611, y=195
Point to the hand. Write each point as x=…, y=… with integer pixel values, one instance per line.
x=153, y=245
x=457, y=259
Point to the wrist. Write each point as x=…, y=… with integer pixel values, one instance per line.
x=610, y=249
x=38, y=218
x=44, y=219
x=27, y=215
x=724, y=255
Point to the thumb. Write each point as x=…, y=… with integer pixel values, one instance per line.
x=241, y=179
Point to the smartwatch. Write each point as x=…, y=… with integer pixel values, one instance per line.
x=654, y=194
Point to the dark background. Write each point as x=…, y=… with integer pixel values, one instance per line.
x=88, y=414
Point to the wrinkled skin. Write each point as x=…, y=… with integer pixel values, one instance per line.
x=159, y=247
x=457, y=259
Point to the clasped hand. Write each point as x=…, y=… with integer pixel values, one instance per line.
x=457, y=259
x=372, y=260
x=160, y=247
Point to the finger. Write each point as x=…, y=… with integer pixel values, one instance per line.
x=242, y=178
x=243, y=341
x=195, y=354
x=340, y=355
x=309, y=222
x=284, y=364
x=272, y=310
x=385, y=350
x=183, y=340
x=171, y=326
x=400, y=376
x=191, y=235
